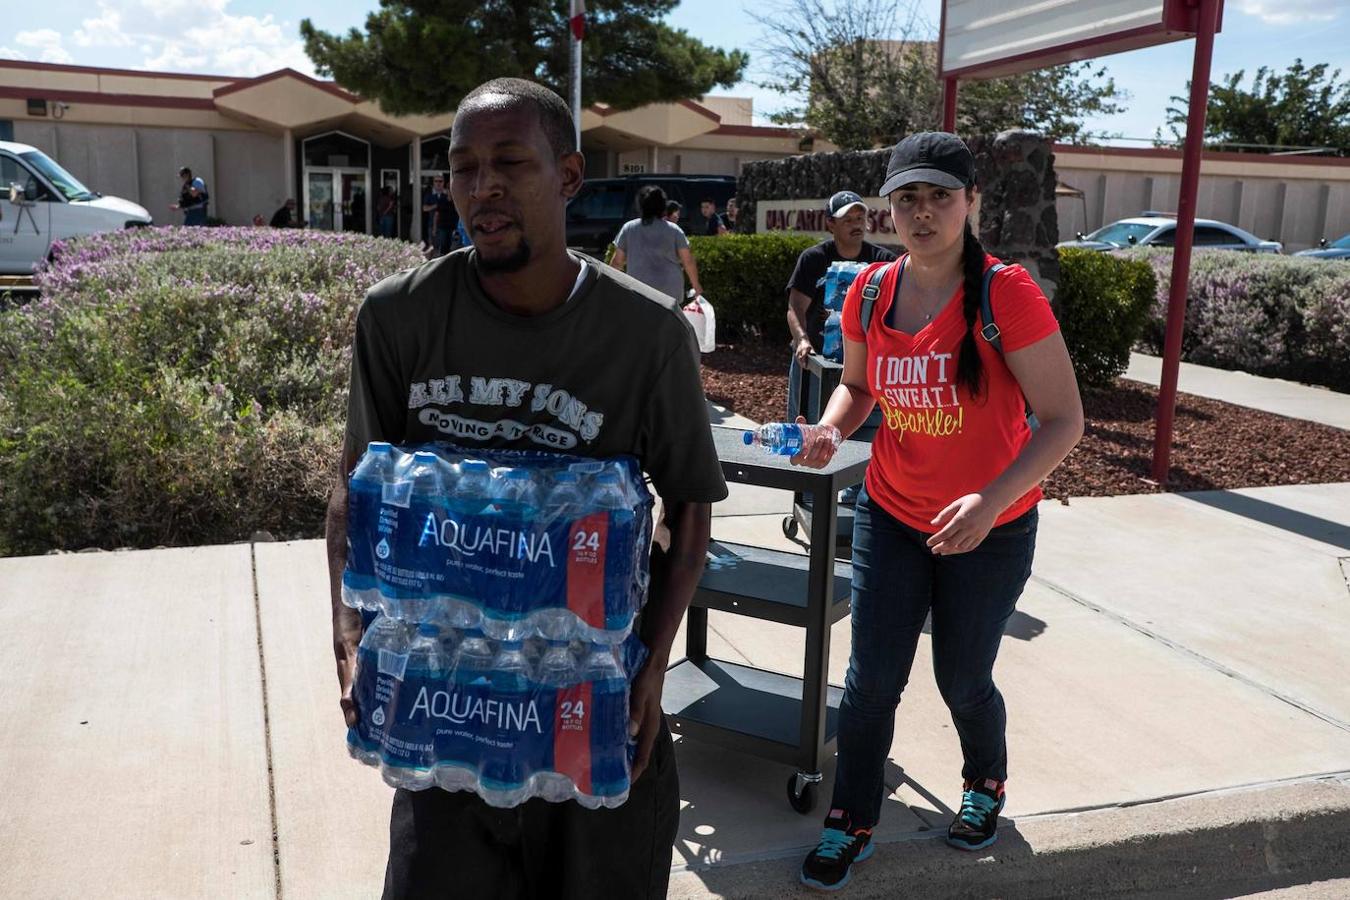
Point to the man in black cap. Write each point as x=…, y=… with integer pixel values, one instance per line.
x=806, y=314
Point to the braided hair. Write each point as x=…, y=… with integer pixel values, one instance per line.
x=969, y=371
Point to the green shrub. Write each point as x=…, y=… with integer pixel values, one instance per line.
x=1279, y=316
x=745, y=278
x=180, y=386
x=1103, y=305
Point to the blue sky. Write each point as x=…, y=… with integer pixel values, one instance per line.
x=249, y=37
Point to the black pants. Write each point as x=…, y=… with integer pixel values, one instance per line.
x=451, y=845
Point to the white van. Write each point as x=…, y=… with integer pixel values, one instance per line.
x=41, y=202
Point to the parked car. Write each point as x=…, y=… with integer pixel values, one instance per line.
x=1155, y=229
x=40, y=202
x=1337, y=249
x=598, y=211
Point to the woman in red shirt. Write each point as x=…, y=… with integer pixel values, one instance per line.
x=947, y=521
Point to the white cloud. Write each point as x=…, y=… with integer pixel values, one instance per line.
x=194, y=36
x=46, y=42
x=11, y=53
x=1288, y=12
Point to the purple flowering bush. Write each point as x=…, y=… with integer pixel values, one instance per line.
x=1280, y=316
x=178, y=386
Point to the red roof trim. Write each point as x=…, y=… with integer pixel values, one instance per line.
x=758, y=131
x=21, y=93
x=701, y=110
x=1211, y=155
x=246, y=83
x=91, y=70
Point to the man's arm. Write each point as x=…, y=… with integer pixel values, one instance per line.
x=690, y=269
x=346, y=621
x=677, y=574
x=798, y=304
x=619, y=259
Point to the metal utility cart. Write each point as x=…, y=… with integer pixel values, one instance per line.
x=779, y=717
x=819, y=377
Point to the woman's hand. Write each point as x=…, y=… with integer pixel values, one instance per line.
x=817, y=449
x=963, y=525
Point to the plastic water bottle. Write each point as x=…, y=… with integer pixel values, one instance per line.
x=557, y=676
x=459, y=757
x=608, y=715
x=410, y=755
x=610, y=497
x=505, y=770
x=428, y=498
x=360, y=587
x=832, y=344
x=565, y=505
x=788, y=438
x=381, y=659
x=470, y=493
x=513, y=493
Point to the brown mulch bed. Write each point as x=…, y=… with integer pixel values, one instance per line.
x=1216, y=445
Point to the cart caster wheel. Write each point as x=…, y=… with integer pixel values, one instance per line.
x=802, y=791
x=790, y=527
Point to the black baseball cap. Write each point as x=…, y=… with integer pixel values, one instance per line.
x=933, y=157
x=842, y=202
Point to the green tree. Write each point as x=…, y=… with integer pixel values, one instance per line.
x=422, y=56
x=864, y=72
x=1302, y=108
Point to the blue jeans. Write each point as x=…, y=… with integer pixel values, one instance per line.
x=195, y=216
x=794, y=393
x=896, y=583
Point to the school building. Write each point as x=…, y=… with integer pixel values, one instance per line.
x=258, y=141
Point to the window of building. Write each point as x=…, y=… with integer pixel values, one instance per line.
x=436, y=153
x=6, y=130
x=338, y=150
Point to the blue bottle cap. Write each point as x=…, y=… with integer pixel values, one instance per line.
x=380, y=447
x=473, y=465
x=608, y=478
x=512, y=645
x=426, y=629
x=566, y=476
x=748, y=437
x=426, y=456
x=516, y=474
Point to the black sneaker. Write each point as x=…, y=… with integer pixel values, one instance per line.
x=827, y=867
x=976, y=825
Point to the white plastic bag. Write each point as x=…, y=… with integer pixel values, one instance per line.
x=700, y=314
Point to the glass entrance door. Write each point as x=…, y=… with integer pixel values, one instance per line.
x=337, y=199
x=319, y=211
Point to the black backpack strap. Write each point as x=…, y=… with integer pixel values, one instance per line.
x=870, y=292
x=990, y=330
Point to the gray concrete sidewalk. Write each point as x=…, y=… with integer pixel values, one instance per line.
x=1274, y=395
x=179, y=706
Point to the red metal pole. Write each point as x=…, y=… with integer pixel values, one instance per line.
x=949, y=90
x=1181, y=255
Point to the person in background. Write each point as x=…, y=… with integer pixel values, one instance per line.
x=846, y=221
x=284, y=217
x=730, y=216
x=713, y=224
x=653, y=250
x=673, y=210
x=441, y=217
x=946, y=524
x=192, y=198
x=386, y=211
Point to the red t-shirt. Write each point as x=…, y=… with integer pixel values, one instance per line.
x=936, y=443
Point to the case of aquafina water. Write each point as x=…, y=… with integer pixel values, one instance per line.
x=510, y=720
x=508, y=583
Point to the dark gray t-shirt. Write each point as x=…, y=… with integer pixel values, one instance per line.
x=654, y=254
x=614, y=370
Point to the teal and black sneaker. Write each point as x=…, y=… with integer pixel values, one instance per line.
x=976, y=825
x=826, y=868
